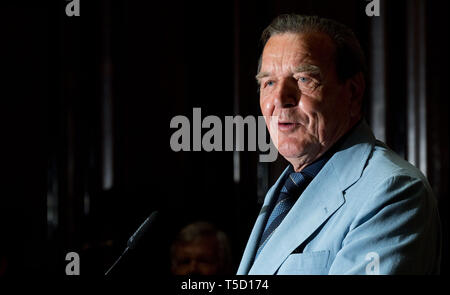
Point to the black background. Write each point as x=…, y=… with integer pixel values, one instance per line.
x=167, y=57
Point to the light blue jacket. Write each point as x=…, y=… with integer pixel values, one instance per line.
x=368, y=211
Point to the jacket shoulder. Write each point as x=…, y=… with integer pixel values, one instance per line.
x=384, y=164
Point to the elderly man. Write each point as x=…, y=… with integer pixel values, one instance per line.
x=346, y=204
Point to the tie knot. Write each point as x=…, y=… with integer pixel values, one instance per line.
x=295, y=183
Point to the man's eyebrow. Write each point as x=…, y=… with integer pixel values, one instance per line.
x=261, y=75
x=308, y=68
x=315, y=70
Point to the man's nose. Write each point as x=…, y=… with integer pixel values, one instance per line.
x=286, y=93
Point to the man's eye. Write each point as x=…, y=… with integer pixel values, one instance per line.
x=304, y=79
x=270, y=83
x=184, y=261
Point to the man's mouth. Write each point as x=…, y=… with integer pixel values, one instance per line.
x=287, y=126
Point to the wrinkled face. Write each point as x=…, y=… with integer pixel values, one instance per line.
x=306, y=108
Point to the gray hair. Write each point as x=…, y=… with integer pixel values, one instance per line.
x=202, y=229
x=349, y=57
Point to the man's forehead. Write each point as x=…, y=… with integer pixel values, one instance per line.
x=309, y=40
x=309, y=48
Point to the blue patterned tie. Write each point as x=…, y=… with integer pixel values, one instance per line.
x=294, y=185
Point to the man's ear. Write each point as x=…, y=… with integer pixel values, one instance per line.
x=357, y=86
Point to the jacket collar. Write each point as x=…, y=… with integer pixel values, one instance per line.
x=322, y=197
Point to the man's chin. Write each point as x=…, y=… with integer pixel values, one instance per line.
x=297, y=155
x=291, y=148
x=290, y=154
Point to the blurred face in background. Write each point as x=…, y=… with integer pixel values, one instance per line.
x=199, y=257
x=306, y=108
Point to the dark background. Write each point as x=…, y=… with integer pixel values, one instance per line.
x=113, y=78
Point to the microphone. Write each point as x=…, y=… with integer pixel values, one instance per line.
x=134, y=239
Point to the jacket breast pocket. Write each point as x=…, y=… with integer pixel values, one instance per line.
x=307, y=263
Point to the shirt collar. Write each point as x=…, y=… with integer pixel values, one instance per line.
x=313, y=169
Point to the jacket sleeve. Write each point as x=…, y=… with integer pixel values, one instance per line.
x=397, y=231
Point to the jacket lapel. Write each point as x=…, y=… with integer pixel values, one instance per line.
x=316, y=204
x=322, y=197
x=258, y=228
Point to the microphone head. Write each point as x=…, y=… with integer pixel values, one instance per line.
x=145, y=226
